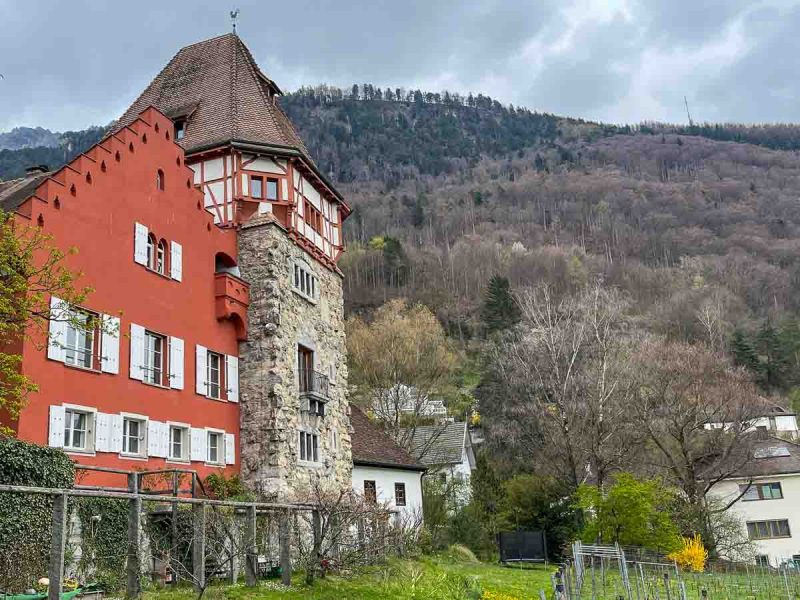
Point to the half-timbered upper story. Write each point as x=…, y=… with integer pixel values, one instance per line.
x=246, y=155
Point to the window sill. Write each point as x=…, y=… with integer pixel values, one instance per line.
x=125, y=456
x=178, y=461
x=79, y=452
x=157, y=385
x=215, y=465
x=154, y=272
x=84, y=369
x=310, y=464
x=215, y=399
x=305, y=297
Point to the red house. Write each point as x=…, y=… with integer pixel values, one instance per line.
x=157, y=385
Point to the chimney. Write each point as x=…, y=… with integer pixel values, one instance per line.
x=36, y=170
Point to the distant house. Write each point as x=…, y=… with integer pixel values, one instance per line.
x=445, y=449
x=769, y=506
x=408, y=400
x=775, y=421
x=382, y=470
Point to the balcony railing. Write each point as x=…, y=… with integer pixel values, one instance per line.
x=312, y=382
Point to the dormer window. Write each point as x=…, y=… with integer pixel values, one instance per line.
x=180, y=129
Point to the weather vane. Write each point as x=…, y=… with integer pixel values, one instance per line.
x=234, y=16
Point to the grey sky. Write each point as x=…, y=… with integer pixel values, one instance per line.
x=67, y=65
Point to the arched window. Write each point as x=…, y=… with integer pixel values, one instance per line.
x=160, y=180
x=161, y=257
x=151, y=251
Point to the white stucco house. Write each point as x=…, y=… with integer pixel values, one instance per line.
x=777, y=421
x=383, y=471
x=768, y=504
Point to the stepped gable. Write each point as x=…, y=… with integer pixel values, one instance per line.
x=217, y=86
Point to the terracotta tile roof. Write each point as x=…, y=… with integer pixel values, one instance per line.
x=372, y=446
x=219, y=87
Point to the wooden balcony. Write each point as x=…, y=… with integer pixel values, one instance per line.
x=231, y=299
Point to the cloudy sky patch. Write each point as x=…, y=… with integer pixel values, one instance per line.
x=68, y=65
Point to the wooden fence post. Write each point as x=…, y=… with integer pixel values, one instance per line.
x=173, y=537
x=58, y=541
x=285, y=548
x=199, y=546
x=133, y=563
x=251, y=565
x=316, y=550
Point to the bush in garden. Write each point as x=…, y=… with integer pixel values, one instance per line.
x=692, y=555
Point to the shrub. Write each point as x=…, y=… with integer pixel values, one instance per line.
x=26, y=519
x=692, y=555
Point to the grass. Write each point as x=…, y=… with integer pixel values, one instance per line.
x=441, y=577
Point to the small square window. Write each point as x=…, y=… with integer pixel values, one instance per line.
x=133, y=436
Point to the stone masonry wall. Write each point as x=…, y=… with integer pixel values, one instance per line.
x=278, y=320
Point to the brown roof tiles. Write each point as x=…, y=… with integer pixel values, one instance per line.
x=372, y=446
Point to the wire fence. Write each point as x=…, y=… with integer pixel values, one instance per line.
x=612, y=573
x=127, y=540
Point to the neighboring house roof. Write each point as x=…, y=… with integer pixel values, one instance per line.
x=217, y=86
x=440, y=444
x=373, y=447
x=772, y=456
x=13, y=193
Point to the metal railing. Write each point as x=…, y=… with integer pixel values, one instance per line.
x=313, y=382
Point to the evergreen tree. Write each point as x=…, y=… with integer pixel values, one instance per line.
x=500, y=310
x=773, y=359
x=743, y=353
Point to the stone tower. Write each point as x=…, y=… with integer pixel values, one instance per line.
x=258, y=178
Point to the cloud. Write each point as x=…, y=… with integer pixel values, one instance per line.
x=69, y=65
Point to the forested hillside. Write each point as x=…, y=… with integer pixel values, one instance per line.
x=450, y=190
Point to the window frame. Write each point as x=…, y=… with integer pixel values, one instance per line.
x=304, y=281
x=400, y=486
x=769, y=526
x=162, y=257
x=220, y=435
x=186, y=437
x=142, y=421
x=277, y=182
x=163, y=368
x=308, y=447
x=757, y=489
x=92, y=336
x=91, y=418
x=260, y=179
x=221, y=367
x=179, y=129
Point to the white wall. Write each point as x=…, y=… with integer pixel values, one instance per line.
x=385, y=479
x=778, y=549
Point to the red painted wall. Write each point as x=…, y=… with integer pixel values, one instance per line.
x=99, y=220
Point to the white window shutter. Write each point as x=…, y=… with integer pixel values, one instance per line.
x=232, y=377
x=164, y=440
x=137, y=352
x=176, y=363
x=198, y=444
x=57, y=334
x=109, y=351
x=140, y=244
x=102, y=432
x=230, y=449
x=201, y=368
x=176, y=261
x=154, y=444
x=56, y=432
x=115, y=436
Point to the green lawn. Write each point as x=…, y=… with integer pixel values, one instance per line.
x=429, y=578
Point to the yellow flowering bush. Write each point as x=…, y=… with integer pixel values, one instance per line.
x=489, y=595
x=692, y=555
